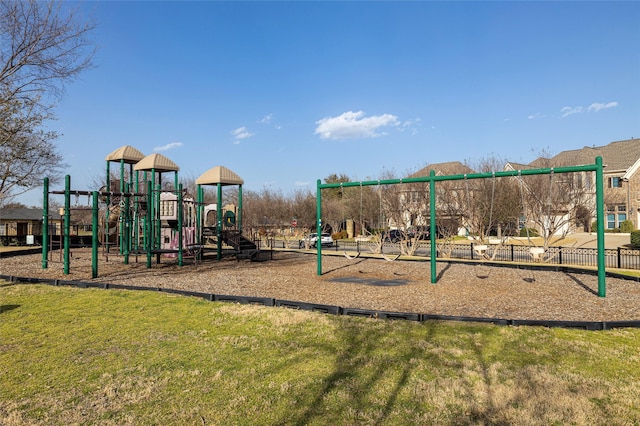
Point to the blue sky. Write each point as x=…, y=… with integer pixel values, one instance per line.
x=284, y=93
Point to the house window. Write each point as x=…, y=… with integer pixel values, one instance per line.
x=615, y=182
x=616, y=214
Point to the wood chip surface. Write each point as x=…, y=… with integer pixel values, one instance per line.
x=468, y=290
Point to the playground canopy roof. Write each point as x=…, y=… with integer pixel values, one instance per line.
x=157, y=162
x=127, y=153
x=219, y=175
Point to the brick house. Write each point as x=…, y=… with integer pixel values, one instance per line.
x=621, y=177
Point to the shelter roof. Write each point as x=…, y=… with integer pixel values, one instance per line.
x=158, y=162
x=129, y=154
x=219, y=175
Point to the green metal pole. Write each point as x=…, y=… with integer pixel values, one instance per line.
x=199, y=208
x=94, y=236
x=45, y=224
x=67, y=221
x=121, y=219
x=602, y=286
x=158, y=226
x=136, y=215
x=219, y=221
x=106, y=221
x=126, y=225
x=180, y=231
x=239, y=219
x=148, y=225
x=319, y=224
x=432, y=226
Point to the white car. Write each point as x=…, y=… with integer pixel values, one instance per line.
x=312, y=240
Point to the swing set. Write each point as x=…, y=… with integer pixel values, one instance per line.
x=432, y=179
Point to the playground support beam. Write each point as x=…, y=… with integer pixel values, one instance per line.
x=602, y=287
x=180, y=231
x=67, y=222
x=219, y=221
x=432, y=179
x=45, y=224
x=94, y=236
x=432, y=226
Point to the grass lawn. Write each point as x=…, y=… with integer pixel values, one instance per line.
x=90, y=356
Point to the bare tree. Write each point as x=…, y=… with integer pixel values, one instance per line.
x=42, y=47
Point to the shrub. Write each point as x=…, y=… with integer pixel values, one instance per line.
x=340, y=235
x=531, y=232
x=635, y=238
x=594, y=226
x=627, y=226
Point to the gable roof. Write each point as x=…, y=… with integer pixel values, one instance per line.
x=26, y=213
x=444, y=169
x=619, y=155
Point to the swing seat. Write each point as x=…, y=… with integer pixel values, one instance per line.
x=480, y=249
x=536, y=253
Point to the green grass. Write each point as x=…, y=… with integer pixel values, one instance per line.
x=74, y=356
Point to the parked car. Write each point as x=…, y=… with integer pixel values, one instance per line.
x=312, y=240
x=393, y=236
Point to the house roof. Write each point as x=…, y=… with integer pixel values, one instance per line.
x=511, y=165
x=25, y=213
x=444, y=169
x=619, y=155
x=219, y=175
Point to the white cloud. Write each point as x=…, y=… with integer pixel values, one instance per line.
x=594, y=107
x=351, y=125
x=566, y=111
x=266, y=119
x=167, y=146
x=597, y=106
x=535, y=116
x=301, y=183
x=240, y=133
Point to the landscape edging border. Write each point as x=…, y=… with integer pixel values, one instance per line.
x=334, y=309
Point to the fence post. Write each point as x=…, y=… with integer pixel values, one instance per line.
x=512, y=257
x=619, y=258
x=560, y=255
x=471, y=246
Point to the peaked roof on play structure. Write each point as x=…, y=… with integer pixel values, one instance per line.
x=157, y=162
x=129, y=154
x=219, y=175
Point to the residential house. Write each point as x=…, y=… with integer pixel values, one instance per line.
x=17, y=223
x=415, y=203
x=621, y=161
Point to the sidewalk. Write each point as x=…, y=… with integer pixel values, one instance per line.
x=611, y=241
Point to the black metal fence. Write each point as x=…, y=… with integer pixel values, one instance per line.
x=621, y=257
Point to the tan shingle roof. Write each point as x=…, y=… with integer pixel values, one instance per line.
x=444, y=169
x=619, y=155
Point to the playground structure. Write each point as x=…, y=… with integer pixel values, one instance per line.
x=134, y=215
x=481, y=249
